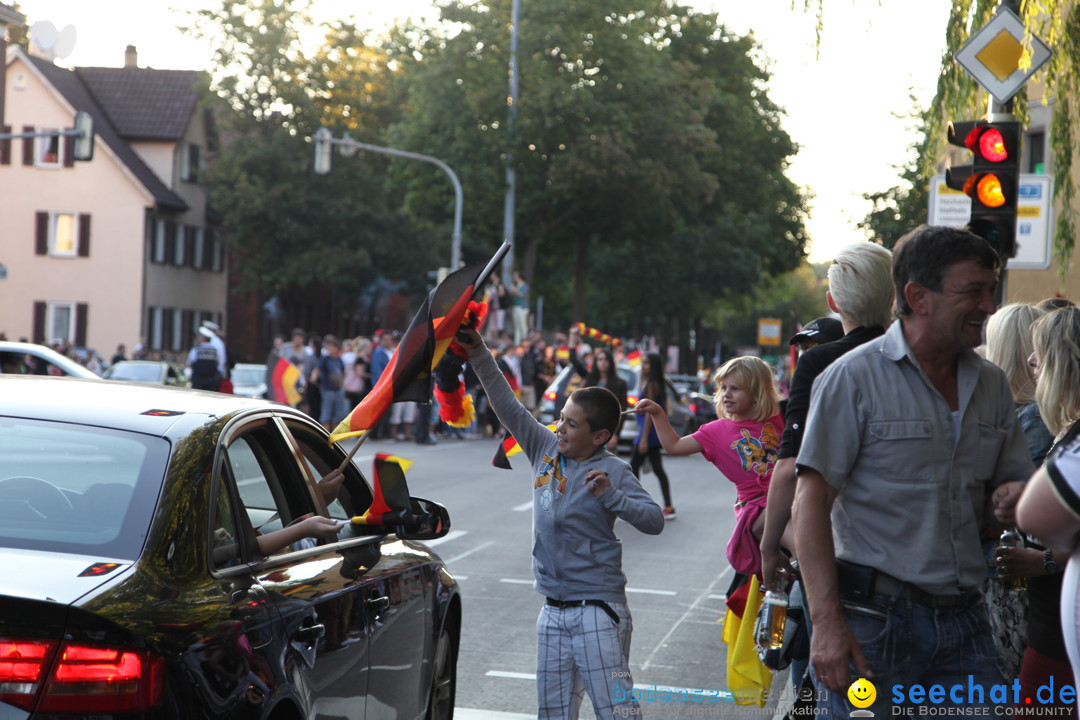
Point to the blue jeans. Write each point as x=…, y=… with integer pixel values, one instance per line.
x=334, y=409
x=908, y=643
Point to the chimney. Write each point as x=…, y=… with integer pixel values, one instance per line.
x=8, y=16
x=131, y=57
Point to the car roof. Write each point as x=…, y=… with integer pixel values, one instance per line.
x=47, y=353
x=161, y=411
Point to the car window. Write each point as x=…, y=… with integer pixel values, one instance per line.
x=270, y=488
x=355, y=495
x=225, y=543
x=77, y=489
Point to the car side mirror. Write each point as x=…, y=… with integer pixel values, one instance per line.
x=428, y=521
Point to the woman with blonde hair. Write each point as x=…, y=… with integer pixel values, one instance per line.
x=1056, y=360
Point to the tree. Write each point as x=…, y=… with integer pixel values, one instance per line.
x=290, y=230
x=630, y=120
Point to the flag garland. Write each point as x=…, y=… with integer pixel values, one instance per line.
x=595, y=334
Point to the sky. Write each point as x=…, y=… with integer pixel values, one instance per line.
x=845, y=102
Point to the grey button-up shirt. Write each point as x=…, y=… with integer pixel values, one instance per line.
x=911, y=495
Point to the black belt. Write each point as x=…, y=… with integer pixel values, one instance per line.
x=864, y=583
x=563, y=604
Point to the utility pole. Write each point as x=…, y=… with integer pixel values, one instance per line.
x=511, y=125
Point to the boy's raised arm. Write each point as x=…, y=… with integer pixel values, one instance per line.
x=526, y=429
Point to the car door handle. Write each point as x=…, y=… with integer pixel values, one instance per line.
x=311, y=633
x=378, y=604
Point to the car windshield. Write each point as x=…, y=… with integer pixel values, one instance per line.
x=248, y=375
x=136, y=373
x=77, y=489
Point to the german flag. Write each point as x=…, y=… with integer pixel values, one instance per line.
x=508, y=448
x=634, y=358
x=390, y=493
x=408, y=376
x=283, y=379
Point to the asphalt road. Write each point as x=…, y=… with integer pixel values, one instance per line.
x=676, y=581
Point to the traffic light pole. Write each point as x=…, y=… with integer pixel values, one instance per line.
x=323, y=141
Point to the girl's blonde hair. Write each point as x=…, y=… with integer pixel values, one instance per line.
x=1057, y=346
x=754, y=375
x=1009, y=345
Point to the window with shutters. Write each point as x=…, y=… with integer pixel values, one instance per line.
x=158, y=254
x=179, y=245
x=178, y=330
x=63, y=235
x=198, y=249
x=49, y=149
x=154, y=330
x=60, y=321
x=190, y=158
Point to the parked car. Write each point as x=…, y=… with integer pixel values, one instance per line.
x=568, y=380
x=18, y=358
x=699, y=400
x=134, y=586
x=151, y=372
x=249, y=380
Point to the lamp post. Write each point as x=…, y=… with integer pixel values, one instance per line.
x=324, y=140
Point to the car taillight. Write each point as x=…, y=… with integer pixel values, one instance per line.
x=22, y=665
x=83, y=679
x=631, y=399
x=549, y=395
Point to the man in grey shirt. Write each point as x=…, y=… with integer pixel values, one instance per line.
x=907, y=438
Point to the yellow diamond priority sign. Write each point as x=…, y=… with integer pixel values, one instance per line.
x=993, y=56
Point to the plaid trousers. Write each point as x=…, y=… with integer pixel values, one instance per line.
x=581, y=649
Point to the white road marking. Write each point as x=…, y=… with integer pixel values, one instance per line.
x=647, y=591
x=469, y=552
x=644, y=687
x=721, y=596
x=708, y=591
x=475, y=714
x=511, y=675
x=452, y=535
x=515, y=581
x=523, y=507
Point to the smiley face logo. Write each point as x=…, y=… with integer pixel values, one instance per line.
x=862, y=693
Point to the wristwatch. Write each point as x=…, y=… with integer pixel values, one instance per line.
x=1048, y=562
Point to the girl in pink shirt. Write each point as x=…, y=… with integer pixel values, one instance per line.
x=742, y=445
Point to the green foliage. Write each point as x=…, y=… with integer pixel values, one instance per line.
x=630, y=122
x=291, y=229
x=797, y=296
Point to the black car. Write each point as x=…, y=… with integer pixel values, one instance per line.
x=133, y=584
x=568, y=380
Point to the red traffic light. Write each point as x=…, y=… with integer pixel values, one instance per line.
x=992, y=145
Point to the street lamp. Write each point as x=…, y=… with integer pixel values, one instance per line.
x=324, y=141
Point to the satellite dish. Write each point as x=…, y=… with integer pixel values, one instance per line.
x=65, y=42
x=43, y=34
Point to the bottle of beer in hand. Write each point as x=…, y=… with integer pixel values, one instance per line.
x=771, y=631
x=1011, y=538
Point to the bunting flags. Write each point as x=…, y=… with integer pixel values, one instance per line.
x=408, y=375
x=595, y=334
x=283, y=379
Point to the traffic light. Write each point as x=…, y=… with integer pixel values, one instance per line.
x=991, y=181
x=83, y=148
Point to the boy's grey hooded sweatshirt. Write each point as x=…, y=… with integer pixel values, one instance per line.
x=576, y=555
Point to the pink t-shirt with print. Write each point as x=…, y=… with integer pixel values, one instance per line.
x=744, y=451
